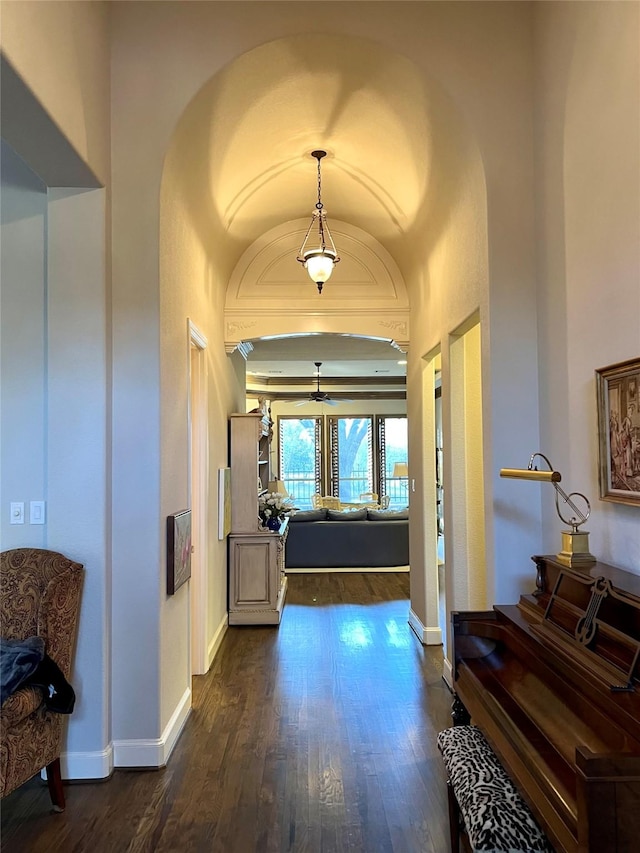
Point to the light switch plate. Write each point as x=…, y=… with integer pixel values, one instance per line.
x=36, y=512
x=17, y=512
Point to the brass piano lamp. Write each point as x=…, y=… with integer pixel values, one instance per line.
x=575, y=542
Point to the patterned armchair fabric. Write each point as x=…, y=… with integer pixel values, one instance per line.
x=39, y=596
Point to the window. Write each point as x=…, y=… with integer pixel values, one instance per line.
x=300, y=445
x=343, y=456
x=351, y=453
x=393, y=443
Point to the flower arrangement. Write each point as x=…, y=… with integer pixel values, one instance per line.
x=272, y=507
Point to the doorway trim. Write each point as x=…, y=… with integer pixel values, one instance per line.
x=198, y=479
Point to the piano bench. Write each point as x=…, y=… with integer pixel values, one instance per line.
x=483, y=802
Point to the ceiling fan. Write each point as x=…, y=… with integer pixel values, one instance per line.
x=318, y=396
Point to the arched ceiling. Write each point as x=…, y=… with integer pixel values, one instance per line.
x=265, y=113
x=241, y=164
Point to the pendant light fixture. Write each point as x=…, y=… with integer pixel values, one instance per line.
x=319, y=261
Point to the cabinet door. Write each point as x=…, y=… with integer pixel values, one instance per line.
x=257, y=583
x=253, y=579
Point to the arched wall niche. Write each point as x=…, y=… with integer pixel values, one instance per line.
x=271, y=294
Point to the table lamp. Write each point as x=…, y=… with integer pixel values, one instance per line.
x=400, y=469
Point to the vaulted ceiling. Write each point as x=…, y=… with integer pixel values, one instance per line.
x=365, y=106
x=385, y=128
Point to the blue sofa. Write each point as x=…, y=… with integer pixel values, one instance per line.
x=325, y=538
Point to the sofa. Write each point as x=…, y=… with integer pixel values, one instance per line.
x=363, y=538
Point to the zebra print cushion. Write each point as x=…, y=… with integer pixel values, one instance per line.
x=495, y=817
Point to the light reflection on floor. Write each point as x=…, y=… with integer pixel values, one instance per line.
x=356, y=634
x=336, y=650
x=399, y=636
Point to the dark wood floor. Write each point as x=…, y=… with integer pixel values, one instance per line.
x=317, y=736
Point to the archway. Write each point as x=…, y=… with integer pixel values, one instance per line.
x=403, y=188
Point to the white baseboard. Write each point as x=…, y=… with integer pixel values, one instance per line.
x=86, y=765
x=153, y=752
x=216, y=641
x=144, y=752
x=427, y=636
x=447, y=674
x=294, y=571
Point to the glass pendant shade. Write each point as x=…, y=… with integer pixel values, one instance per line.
x=319, y=264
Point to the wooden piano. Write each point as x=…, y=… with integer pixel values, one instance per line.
x=553, y=682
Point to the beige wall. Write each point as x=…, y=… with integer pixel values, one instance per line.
x=61, y=51
x=24, y=349
x=191, y=286
x=588, y=226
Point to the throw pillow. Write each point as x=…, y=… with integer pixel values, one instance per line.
x=346, y=515
x=309, y=515
x=387, y=515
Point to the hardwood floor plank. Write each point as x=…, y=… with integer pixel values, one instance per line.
x=314, y=737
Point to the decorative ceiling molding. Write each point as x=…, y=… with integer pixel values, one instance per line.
x=235, y=332
x=329, y=381
x=269, y=293
x=345, y=396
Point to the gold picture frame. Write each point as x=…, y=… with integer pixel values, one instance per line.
x=618, y=398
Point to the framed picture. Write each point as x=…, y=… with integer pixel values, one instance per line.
x=617, y=389
x=178, y=549
x=224, y=502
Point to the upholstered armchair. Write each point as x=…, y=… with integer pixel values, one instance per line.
x=39, y=596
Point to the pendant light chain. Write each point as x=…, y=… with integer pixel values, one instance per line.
x=319, y=204
x=319, y=262
x=319, y=207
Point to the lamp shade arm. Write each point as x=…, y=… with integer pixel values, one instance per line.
x=532, y=473
x=526, y=474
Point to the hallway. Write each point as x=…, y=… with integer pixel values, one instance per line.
x=316, y=737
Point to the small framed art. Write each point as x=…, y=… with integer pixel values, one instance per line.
x=617, y=388
x=178, y=549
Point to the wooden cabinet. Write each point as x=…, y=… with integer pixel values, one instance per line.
x=257, y=581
